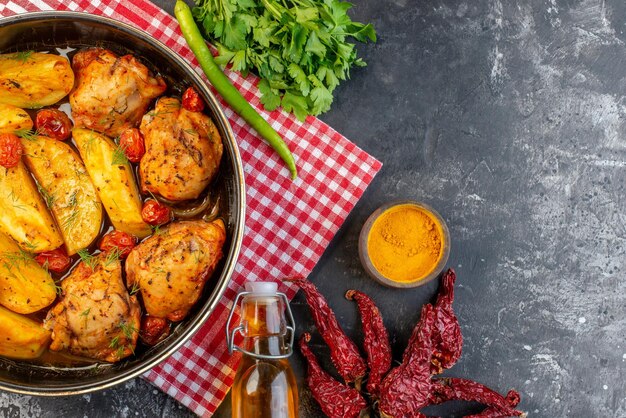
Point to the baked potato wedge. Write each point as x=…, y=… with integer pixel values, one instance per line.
x=22, y=338
x=13, y=119
x=67, y=188
x=33, y=80
x=112, y=175
x=25, y=287
x=23, y=213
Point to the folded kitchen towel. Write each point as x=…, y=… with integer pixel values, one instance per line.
x=288, y=224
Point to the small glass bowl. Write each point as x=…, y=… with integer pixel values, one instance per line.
x=364, y=252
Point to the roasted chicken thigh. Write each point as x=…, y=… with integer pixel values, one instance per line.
x=170, y=268
x=112, y=93
x=96, y=316
x=183, y=151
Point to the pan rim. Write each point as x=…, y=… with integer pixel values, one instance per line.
x=239, y=210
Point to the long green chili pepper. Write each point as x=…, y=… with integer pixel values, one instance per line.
x=222, y=84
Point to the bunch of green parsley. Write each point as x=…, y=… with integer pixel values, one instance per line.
x=299, y=48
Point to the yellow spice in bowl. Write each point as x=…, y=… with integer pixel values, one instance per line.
x=405, y=243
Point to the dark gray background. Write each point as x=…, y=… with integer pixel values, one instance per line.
x=509, y=118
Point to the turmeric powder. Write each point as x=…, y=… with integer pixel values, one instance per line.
x=405, y=243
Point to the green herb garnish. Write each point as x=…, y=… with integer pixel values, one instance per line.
x=87, y=258
x=119, y=157
x=128, y=329
x=298, y=47
x=14, y=259
x=112, y=256
x=27, y=134
x=135, y=289
x=47, y=196
x=69, y=221
x=22, y=56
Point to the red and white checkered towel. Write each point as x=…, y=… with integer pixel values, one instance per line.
x=288, y=224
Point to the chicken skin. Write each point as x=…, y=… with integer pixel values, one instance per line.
x=183, y=151
x=170, y=268
x=96, y=317
x=111, y=93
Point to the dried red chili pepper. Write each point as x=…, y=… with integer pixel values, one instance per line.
x=512, y=398
x=447, y=389
x=336, y=399
x=447, y=338
x=343, y=352
x=407, y=388
x=376, y=341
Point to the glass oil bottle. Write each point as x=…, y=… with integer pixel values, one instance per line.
x=265, y=386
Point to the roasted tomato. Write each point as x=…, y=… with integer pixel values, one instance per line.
x=153, y=329
x=119, y=240
x=54, y=124
x=192, y=100
x=154, y=213
x=10, y=150
x=56, y=261
x=131, y=141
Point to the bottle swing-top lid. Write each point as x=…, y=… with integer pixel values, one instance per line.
x=260, y=289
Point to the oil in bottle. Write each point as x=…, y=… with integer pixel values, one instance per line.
x=265, y=386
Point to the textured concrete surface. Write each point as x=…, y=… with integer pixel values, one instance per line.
x=510, y=119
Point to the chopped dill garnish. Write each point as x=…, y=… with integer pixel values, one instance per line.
x=115, y=342
x=12, y=195
x=29, y=245
x=87, y=145
x=49, y=199
x=174, y=104
x=112, y=256
x=128, y=329
x=27, y=134
x=196, y=255
x=12, y=259
x=73, y=201
x=58, y=289
x=15, y=199
x=134, y=289
x=20, y=207
x=87, y=258
x=155, y=114
x=22, y=56
x=85, y=313
x=119, y=157
x=70, y=221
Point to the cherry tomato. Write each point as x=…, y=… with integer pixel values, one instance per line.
x=131, y=141
x=54, y=124
x=192, y=100
x=119, y=240
x=11, y=150
x=154, y=213
x=153, y=329
x=57, y=260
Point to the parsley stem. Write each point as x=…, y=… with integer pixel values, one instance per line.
x=273, y=10
x=222, y=84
